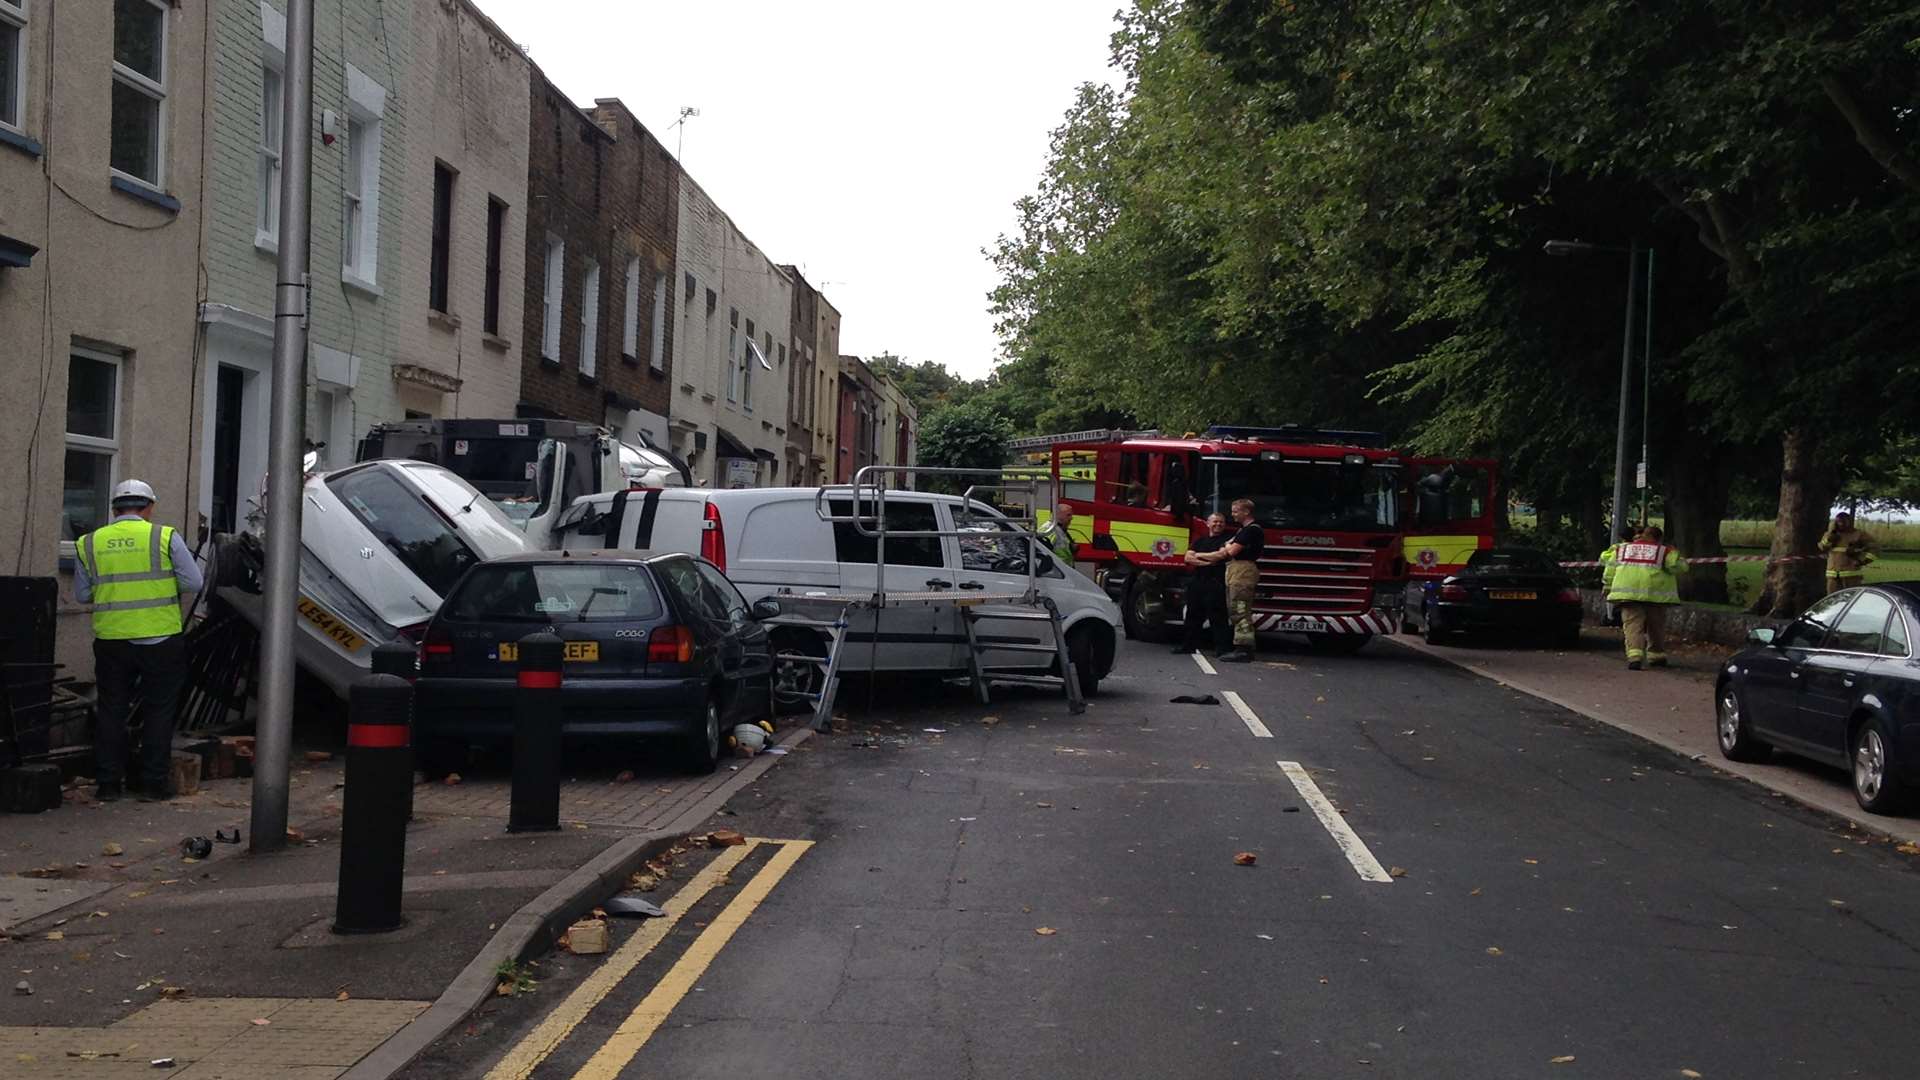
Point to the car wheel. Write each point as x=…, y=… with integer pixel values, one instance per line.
x=1876, y=787
x=794, y=680
x=1080, y=647
x=1733, y=730
x=438, y=757
x=1407, y=625
x=1137, y=614
x=1429, y=632
x=703, y=743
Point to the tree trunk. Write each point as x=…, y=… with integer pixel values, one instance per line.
x=1593, y=519
x=1698, y=483
x=1807, y=490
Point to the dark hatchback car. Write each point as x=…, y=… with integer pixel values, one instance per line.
x=1500, y=589
x=656, y=646
x=1840, y=685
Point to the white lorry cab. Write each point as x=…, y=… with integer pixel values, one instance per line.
x=770, y=541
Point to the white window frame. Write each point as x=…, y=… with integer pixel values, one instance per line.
x=272, y=142
x=93, y=443
x=14, y=13
x=733, y=362
x=630, y=336
x=366, y=109
x=657, y=348
x=156, y=90
x=590, y=319
x=553, y=297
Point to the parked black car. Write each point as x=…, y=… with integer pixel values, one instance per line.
x=656, y=645
x=1840, y=685
x=1500, y=589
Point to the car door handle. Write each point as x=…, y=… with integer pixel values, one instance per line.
x=1848, y=681
x=936, y=583
x=972, y=585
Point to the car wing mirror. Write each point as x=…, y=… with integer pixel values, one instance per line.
x=1762, y=635
x=765, y=608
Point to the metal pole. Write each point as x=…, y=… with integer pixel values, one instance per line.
x=1646, y=393
x=285, y=475
x=1626, y=396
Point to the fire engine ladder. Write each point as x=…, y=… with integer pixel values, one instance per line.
x=830, y=612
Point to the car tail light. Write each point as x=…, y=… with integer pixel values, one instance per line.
x=436, y=645
x=670, y=645
x=1453, y=592
x=415, y=633
x=713, y=539
x=1568, y=596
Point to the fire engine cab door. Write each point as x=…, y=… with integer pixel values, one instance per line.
x=1450, y=514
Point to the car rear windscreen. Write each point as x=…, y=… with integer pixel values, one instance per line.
x=555, y=592
x=415, y=534
x=1511, y=562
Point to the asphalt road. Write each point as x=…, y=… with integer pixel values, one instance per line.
x=1041, y=895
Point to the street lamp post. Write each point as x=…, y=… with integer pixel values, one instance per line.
x=1632, y=251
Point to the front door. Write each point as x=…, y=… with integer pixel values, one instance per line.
x=1774, y=674
x=229, y=395
x=1829, y=677
x=993, y=562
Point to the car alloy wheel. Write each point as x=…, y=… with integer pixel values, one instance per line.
x=1729, y=719
x=1869, y=764
x=712, y=733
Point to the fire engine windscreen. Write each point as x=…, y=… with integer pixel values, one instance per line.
x=1301, y=493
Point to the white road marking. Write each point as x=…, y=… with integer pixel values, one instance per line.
x=1202, y=661
x=1351, y=845
x=1253, y=722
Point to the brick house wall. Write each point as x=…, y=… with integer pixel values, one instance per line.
x=801, y=368
x=599, y=186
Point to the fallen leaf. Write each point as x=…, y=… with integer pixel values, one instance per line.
x=1494, y=950
x=725, y=838
x=1045, y=931
x=56, y=935
x=644, y=882
x=1245, y=858
x=1475, y=892
x=1044, y=805
x=1396, y=871
x=341, y=996
x=503, y=990
x=1690, y=1074
x=295, y=836
x=1561, y=1060
x=1264, y=937
x=1323, y=980
x=260, y=1021
x=1908, y=848
x=624, y=776
x=451, y=779
x=1531, y=862
x=111, y=848
x=317, y=756
x=97, y=915
x=173, y=991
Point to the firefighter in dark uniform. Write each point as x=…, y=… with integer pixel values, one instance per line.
x=1207, y=592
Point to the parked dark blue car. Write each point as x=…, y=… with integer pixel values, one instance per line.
x=1840, y=685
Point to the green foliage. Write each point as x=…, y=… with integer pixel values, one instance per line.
x=968, y=435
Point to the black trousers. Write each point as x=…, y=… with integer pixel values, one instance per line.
x=1207, y=605
x=158, y=673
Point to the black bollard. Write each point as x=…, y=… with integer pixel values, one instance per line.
x=373, y=828
x=400, y=658
x=536, y=736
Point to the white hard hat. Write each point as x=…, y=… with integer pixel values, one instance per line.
x=130, y=491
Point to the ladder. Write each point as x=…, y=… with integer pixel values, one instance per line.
x=830, y=612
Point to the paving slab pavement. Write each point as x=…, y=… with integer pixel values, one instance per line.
x=1672, y=707
x=100, y=941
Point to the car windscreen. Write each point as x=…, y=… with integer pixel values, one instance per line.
x=400, y=520
x=1319, y=493
x=1511, y=562
x=555, y=592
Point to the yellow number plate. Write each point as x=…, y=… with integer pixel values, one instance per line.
x=1509, y=594
x=342, y=634
x=585, y=652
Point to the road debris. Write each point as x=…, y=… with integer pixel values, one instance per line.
x=196, y=847
x=1495, y=950
x=224, y=836
x=1245, y=858
x=1396, y=871
x=1563, y=1059
x=161, y=1063
x=318, y=756
x=451, y=779
x=633, y=905
x=23, y=988
x=588, y=937
x=624, y=776
x=1190, y=699
x=725, y=838
x=1045, y=931
x=643, y=881
x=110, y=848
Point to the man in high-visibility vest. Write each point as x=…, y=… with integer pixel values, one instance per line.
x=1057, y=536
x=1606, y=569
x=1643, y=581
x=1849, y=550
x=133, y=571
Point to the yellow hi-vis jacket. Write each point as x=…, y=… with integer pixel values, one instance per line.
x=130, y=564
x=1849, y=552
x=1645, y=574
x=1606, y=564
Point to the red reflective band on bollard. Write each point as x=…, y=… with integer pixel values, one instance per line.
x=540, y=680
x=378, y=736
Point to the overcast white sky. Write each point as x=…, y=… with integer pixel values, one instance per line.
x=878, y=145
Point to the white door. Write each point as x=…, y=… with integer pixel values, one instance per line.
x=906, y=637
x=993, y=561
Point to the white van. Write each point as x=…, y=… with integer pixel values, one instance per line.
x=769, y=540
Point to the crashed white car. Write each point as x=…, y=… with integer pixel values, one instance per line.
x=381, y=543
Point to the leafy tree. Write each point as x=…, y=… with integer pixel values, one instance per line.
x=968, y=435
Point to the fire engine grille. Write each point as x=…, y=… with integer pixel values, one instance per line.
x=1299, y=580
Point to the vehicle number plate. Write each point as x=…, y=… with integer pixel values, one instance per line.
x=1512, y=594
x=1308, y=626
x=330, y=625
x=583, y=652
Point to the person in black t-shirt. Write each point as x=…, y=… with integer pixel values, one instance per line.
x=1241, y=554
x=1207, y=591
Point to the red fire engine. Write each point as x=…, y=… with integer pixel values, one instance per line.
x=1351, y=526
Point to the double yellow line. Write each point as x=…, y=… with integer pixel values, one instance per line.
x=646, y=1017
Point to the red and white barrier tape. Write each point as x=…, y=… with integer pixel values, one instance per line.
x=1713, y=559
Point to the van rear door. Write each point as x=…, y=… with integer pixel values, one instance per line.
x=778, y=542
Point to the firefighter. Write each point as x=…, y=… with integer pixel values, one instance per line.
x=1606, y=569
x=1207, y=592
x=1848, y=552
x=1241, y=553
x=1056, y=534
x=1643, y=580
x=133, y=571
